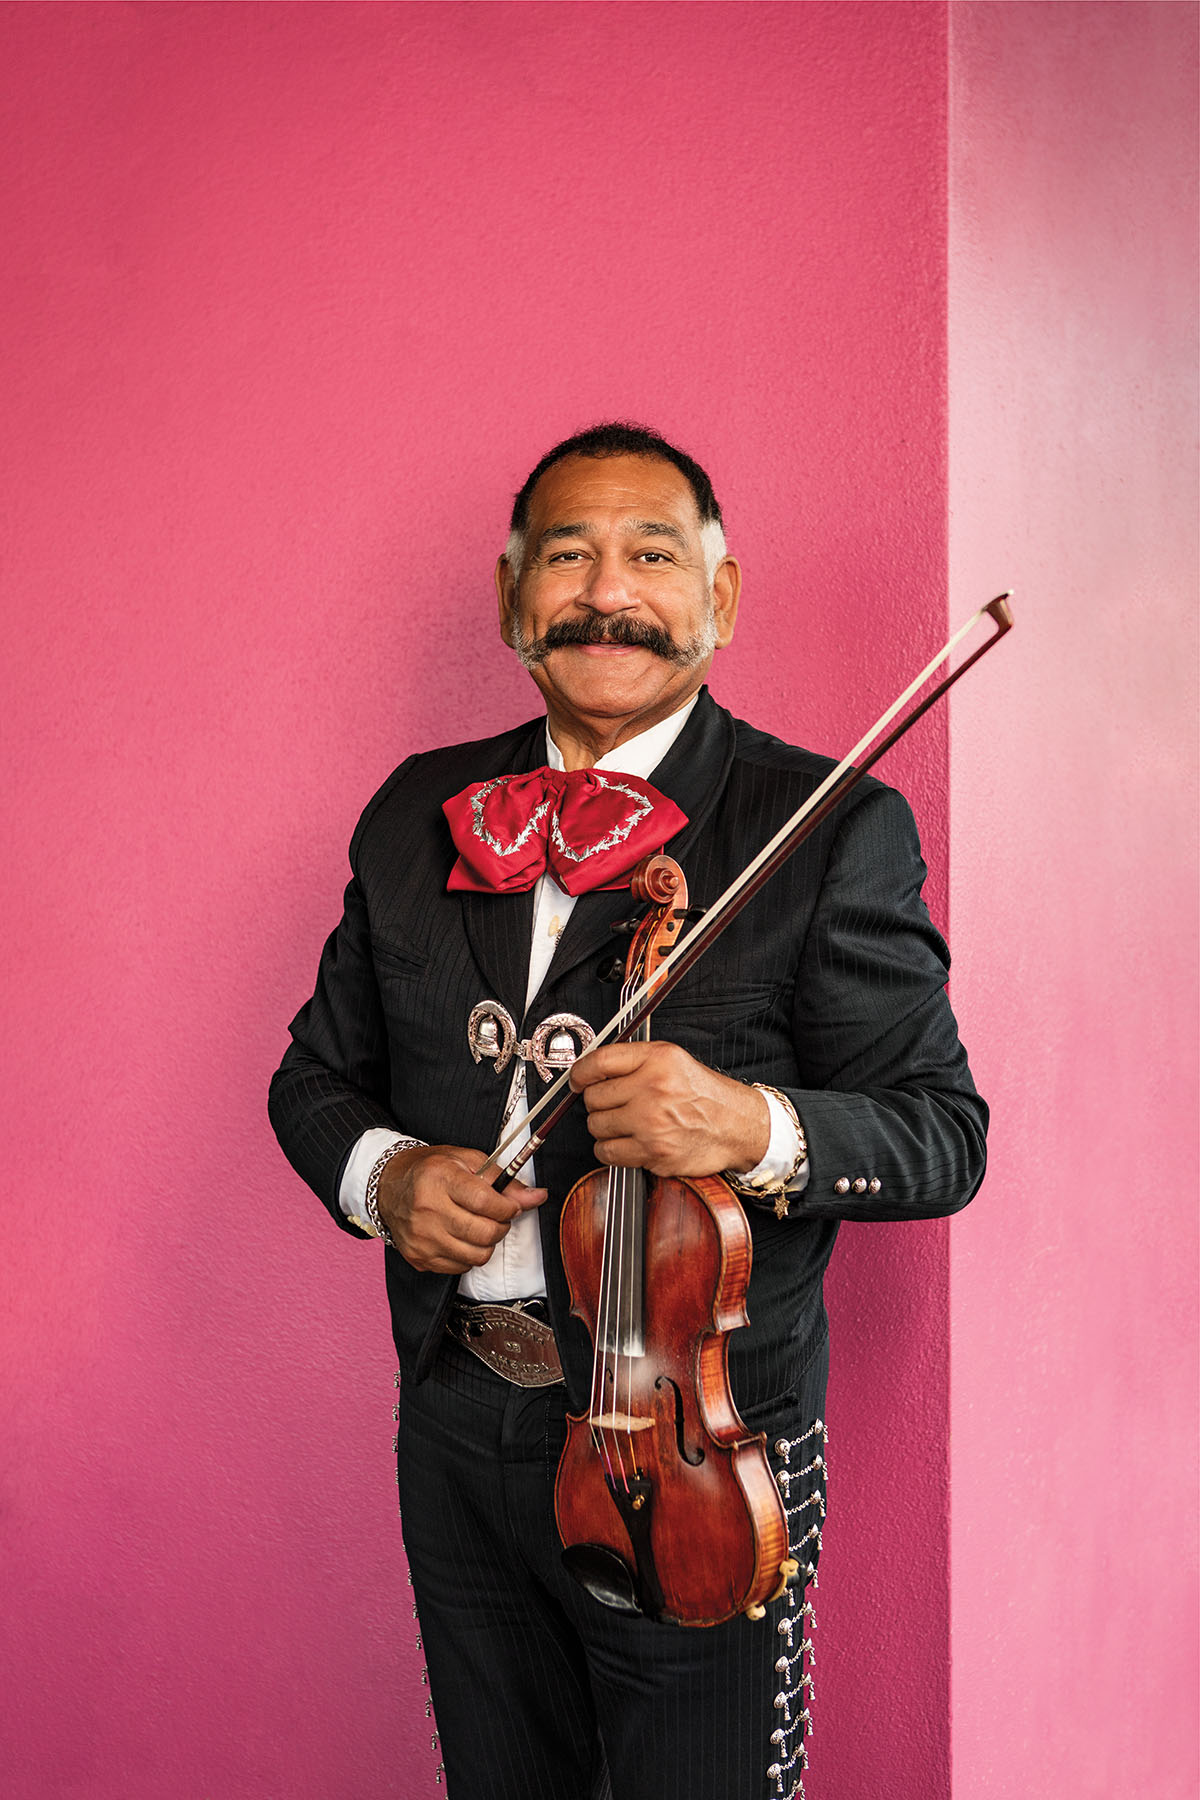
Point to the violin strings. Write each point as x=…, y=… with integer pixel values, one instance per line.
x=634, y=1180
x=626, y=1189
x=623, y=1186
x=603, y=1319
x=606, y=1359
x=624, y=1182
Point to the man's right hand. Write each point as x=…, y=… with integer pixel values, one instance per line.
x=443, y=1218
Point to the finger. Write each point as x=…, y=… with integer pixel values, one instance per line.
x=612, y=1122
x=622, y=1153
x=450, y=1236
x=619, y=1090
x=608, y=1061
x=455, y=1175
x=477, y=1200
x=455, y=1259
x=473, y=1236
x=472, y=1231
x=436, y=1250
x=528, y=1198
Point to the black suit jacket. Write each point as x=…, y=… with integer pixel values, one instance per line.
x=830, y=985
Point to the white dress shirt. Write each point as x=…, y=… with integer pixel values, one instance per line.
x=514, y=1270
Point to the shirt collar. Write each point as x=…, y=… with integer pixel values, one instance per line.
x=638, y=755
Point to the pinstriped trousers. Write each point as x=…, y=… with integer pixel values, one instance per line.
x=539, y=1692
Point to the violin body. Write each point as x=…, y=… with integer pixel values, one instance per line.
x=661, y=1473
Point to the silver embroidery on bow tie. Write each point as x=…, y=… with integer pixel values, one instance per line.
x=493, y=842
x=618, y=834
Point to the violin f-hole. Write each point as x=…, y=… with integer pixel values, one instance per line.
x=694, y=1457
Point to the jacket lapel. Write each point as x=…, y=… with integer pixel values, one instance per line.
x=499, y=926
x=693, y=773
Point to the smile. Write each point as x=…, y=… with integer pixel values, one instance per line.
x=609, y=649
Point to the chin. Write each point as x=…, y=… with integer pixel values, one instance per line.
x=610, y=692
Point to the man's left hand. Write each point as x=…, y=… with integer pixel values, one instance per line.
x=652, y=1106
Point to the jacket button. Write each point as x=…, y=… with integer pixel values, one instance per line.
x=874, y=1185
x=842, y=1185
x=860, y=1186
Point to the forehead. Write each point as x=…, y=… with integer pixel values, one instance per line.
x=596, y=490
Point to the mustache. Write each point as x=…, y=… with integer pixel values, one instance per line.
x=635, y=634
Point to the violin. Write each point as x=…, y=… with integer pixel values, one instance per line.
x=665, y=1503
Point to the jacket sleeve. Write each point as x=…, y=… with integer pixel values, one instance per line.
x=894, y=1125
x=334, y=1081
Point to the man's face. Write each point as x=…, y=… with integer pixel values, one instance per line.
x=615, y=615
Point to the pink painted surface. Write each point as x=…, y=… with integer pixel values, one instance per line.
x=1073, y=345
x=292, y=296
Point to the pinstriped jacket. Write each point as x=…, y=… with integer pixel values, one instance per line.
x=830, y=985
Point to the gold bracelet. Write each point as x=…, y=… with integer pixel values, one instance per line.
x=774, y=1190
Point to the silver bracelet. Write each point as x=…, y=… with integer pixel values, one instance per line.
x=774, y=1190
x=371, y=1197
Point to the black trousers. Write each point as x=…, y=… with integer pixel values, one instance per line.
x=541, y=1693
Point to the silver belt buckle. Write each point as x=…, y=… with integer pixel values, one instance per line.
x=511, y=1342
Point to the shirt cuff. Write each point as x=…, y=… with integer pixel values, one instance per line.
x=355, y=1176
x=782, y=1151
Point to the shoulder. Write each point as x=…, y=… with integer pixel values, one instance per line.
x=424, y=780
x=763, y=750
x=764, y=762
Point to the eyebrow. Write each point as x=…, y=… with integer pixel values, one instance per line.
x=635, y=528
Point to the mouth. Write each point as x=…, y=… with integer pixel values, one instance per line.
x=605, y=648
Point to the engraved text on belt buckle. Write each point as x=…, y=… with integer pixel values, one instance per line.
x=515, y=1346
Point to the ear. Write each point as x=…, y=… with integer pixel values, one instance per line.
x=506, y=595
x=727, y=591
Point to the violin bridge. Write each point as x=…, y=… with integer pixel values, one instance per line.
x=615, y=1421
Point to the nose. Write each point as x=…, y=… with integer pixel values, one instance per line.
x=608, y=589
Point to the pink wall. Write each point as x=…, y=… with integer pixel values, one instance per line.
x=1073, y=475
x=292, y=296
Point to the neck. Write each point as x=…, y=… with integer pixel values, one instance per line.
x=583, y=750
x=582, y=742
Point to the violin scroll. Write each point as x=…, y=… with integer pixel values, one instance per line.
x=660, y=881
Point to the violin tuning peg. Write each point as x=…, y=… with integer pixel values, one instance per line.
x=625, y=927
x=611, y=969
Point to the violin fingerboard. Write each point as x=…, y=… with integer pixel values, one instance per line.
x=622, y=1319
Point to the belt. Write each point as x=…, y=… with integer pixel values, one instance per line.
x=512, y=1340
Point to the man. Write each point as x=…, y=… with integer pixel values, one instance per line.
x=811, y=1057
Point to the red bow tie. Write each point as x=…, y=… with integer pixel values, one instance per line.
x=589, y=829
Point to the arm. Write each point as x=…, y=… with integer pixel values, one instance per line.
x=332, y=1085
x=885, y=1093
x=878, y=1078
x=331, y=1090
